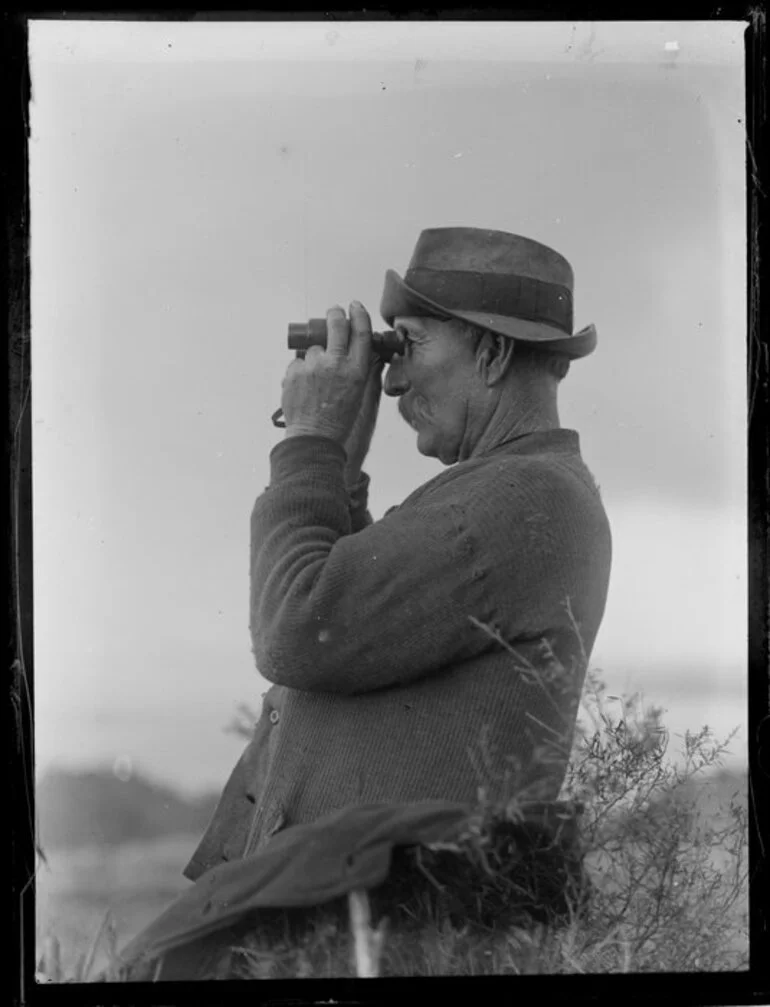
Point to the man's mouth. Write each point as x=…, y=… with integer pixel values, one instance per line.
x=407, y=415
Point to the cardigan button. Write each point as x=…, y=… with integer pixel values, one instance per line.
x=274, y=717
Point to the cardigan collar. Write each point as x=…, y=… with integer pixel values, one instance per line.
x=556, y=441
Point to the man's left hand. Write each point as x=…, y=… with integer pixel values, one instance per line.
x=324, y=393
x=360, y=438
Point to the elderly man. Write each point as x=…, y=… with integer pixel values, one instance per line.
x=439, y=652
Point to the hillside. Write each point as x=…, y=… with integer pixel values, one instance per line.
x=96, y=808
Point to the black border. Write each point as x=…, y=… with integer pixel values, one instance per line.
x=752, y=987
x=758, y=361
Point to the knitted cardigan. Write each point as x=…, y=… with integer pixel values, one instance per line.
x=438, y=653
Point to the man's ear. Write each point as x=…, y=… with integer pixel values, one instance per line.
x=494, y=355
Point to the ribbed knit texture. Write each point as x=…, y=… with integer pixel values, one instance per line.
x=384, y=689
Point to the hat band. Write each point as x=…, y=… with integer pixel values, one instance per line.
x=500, y=294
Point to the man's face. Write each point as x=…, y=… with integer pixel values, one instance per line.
x=435, y=379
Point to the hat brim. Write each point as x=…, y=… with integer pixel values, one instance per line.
x=401, y=300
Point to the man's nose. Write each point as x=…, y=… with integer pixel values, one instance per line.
x=395, y=379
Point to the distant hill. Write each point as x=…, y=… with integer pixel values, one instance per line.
x=96, y=808
x=708, y=795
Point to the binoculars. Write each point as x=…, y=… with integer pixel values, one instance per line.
x=303, y=335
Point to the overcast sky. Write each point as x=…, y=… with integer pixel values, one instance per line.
x=195, y=188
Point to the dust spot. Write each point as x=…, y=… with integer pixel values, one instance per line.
x=671, y=50
x=332, y=37
x=123, y=768
x=324, y=636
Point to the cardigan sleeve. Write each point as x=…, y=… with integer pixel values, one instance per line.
x=359, y=504
x=332, y=611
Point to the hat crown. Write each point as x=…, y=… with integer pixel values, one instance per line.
x=477, y=250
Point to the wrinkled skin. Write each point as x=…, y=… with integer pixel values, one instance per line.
x=335, y=392
x=438, y=385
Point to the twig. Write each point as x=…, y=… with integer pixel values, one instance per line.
x=425, y=871
x=51, y=964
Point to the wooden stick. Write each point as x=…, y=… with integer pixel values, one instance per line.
x=368, y=943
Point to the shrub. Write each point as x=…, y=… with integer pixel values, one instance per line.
x=665, y=866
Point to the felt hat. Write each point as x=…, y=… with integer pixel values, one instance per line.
x=501, y=282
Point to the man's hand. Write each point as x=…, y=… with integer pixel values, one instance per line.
x=360, y=437
x=335, y=392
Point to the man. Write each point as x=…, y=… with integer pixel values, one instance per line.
x=439, y=652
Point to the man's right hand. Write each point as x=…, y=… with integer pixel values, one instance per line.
x=322, y=394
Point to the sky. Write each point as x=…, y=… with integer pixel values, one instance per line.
x=196, y=187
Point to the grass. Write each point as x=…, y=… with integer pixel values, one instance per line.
x=664, y=842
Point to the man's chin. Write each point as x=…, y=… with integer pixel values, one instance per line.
x=424, y=441
x=426, y=445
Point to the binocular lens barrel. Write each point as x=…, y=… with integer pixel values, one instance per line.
x=303, y=335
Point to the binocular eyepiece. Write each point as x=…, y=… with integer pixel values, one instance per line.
x=303, y=335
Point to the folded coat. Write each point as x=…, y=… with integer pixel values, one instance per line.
x=430, y=655
x=314, y=865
